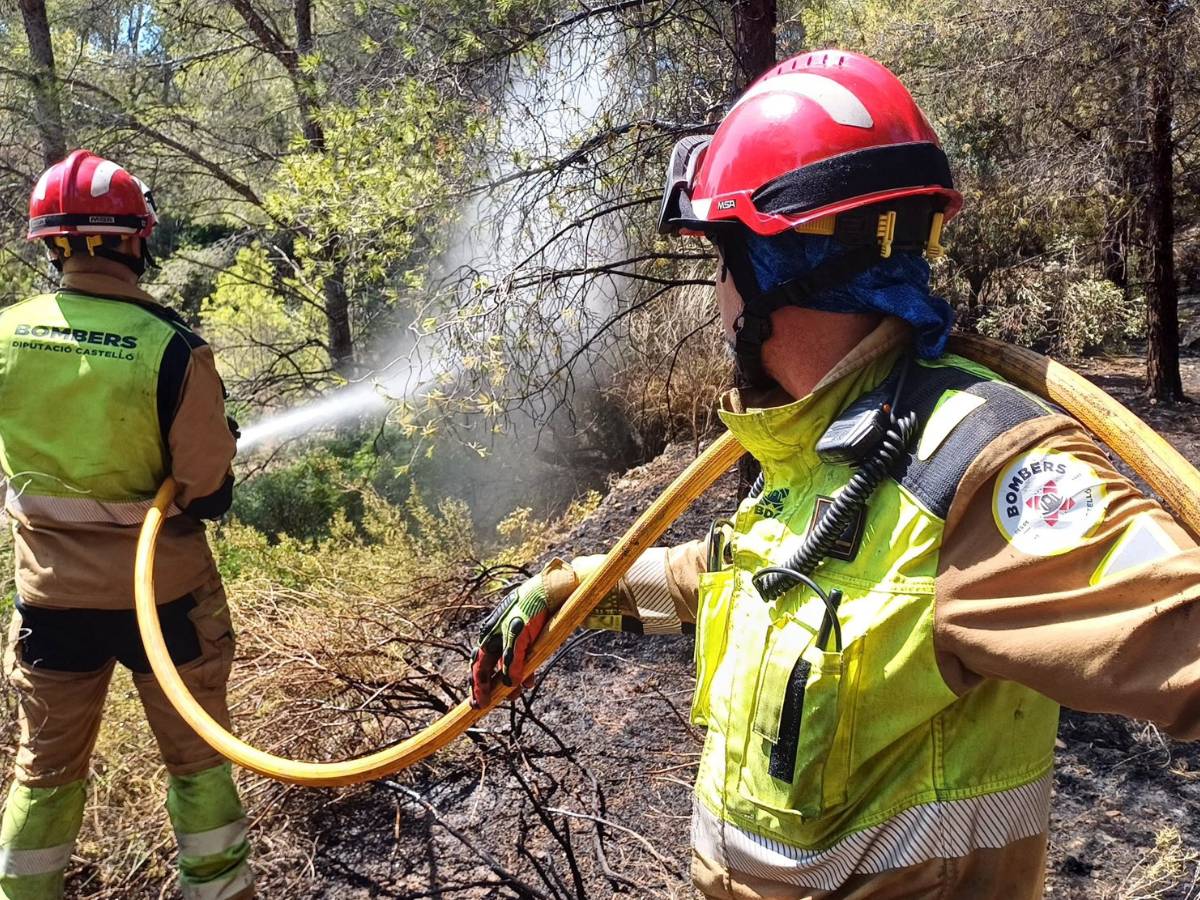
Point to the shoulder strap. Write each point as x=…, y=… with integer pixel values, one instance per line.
x=997, y=408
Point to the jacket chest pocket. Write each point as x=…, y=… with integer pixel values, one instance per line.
x=797, y=756
x=712, y=634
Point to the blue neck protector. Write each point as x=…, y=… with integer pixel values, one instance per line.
x=897, y=285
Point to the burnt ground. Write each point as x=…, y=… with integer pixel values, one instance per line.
x=604, y=736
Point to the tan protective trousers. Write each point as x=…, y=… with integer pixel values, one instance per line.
x=1014, y=872
x=60, y=711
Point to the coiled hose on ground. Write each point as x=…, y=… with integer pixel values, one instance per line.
x=1163, y=468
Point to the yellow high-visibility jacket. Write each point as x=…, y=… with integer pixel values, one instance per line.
x=1005, y=569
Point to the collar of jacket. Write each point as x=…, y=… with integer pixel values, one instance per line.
x=100, y=285
x=784, y=438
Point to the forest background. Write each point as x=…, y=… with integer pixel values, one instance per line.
x=442, y=216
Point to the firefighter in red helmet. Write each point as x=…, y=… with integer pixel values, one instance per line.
x=932, y=561
x=105, y=392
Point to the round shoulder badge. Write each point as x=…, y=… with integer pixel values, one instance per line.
x=1046, y=501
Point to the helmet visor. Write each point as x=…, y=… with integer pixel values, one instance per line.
x=676, y=214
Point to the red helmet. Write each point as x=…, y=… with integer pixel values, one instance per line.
x=85, y=195
x=818, y=135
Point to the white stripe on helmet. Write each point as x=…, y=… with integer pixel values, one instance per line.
x=39, y=191
x=836, y=99
x=102, y=177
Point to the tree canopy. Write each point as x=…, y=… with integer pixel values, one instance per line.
x=465, y=193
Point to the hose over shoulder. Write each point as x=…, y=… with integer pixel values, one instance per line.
x=1162, y=466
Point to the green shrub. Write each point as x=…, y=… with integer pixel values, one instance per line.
x=302, y=497
x=388, y=545
x=1059, y=310
x=299, y=500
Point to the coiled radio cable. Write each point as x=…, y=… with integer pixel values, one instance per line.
x=892, y=448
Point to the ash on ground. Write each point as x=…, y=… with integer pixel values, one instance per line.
x=604, y=747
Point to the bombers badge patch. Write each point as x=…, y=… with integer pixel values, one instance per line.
x=1046, y=501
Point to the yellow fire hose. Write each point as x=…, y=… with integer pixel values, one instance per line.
x=1167, y=472
x=1163, y=467
x=705, y=470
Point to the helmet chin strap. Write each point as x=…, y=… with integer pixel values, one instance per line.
x=137, y=263
x=753, y=327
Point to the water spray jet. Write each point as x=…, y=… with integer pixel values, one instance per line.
x=344, y=404
x=339, y=406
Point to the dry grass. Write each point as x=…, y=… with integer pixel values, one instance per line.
x=1170, y=869
x=676, y=366
x=340, y=650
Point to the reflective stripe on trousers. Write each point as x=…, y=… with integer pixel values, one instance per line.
x=40, y=825
x=223, y=888
x=210, y=827
x=35, y=862
x=216, y=840
x=37, y=838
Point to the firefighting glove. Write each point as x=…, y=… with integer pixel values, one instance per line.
x=505, y=638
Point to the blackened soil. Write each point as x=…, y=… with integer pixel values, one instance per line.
x=605, y=736
x=1120, y=784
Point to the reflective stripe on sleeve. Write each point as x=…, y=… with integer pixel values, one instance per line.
x=35, y=862
x=217, y=840
x=1143, y=542
x=647, y=580
x=221, y=888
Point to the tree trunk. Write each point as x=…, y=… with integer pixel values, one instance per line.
x=337, y=301
x=976, y=279
x=754, y=46
x=1162, y=298
x=1113, y=251
x=337, y=311
x=305, y=85
x=754, y=51
x=1121, y=163
x=47, y=109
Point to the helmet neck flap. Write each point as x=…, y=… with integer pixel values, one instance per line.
x=870, y=236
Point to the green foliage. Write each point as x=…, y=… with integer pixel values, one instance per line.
x=316, y=491
x=523, y=536
x=19, y=275
x=300, y=500
x=1060, y=311
x=262, y=322
x=387, y=544
x=186, y=278
x=379, y=190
